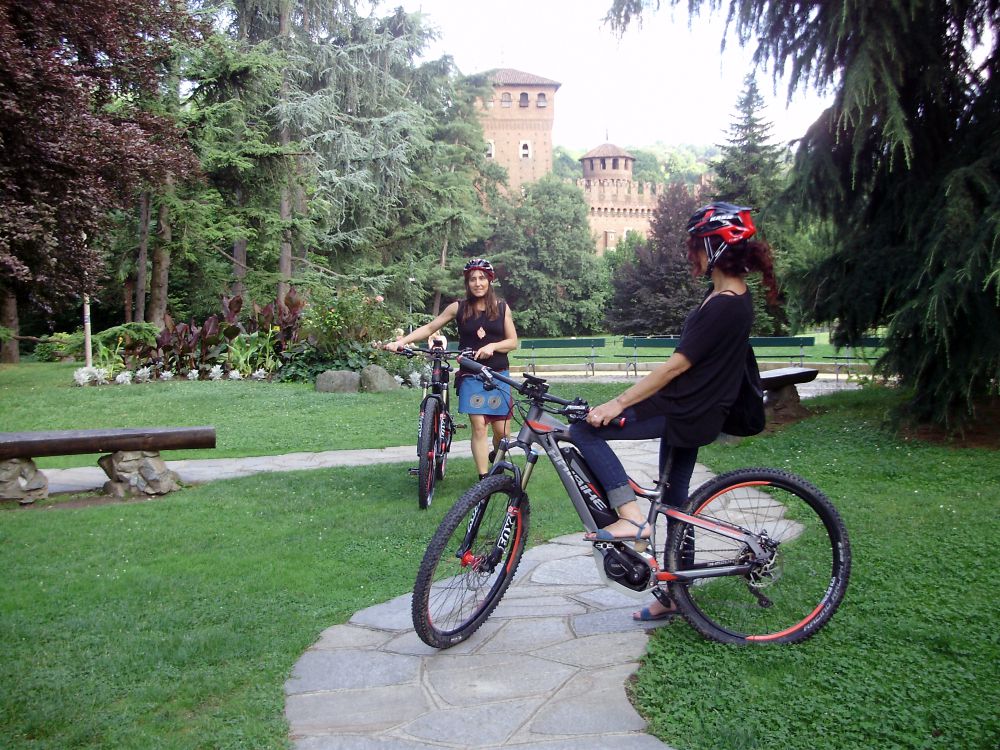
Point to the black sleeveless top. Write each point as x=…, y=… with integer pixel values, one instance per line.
x=715, y=338
x=469, y=338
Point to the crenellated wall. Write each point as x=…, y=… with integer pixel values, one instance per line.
x=617, y=206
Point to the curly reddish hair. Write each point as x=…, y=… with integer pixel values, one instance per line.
x=740, y=259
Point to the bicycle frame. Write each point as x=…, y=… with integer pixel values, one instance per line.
x=541, y=429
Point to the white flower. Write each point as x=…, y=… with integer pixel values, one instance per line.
x=100, y=375
x=124, y=378
x=235, y=375
x=143, y=374
x=259, y=374
x=398, y=379
x=415, y=379
x=192, y=375
x=167, y=375
x=215, y=373
x=83, y=375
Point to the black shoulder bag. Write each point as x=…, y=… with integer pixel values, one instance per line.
x=746, y=415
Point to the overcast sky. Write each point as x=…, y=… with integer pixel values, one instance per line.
x=663, y=82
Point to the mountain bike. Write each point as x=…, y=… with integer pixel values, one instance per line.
x=755, y=556
x=435, y=427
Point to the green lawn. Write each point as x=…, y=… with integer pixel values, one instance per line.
x=251, y=419
x=174, y=623
x=910, y=659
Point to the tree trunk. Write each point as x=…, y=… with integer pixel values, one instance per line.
x=285, y=204
x=160, y=275
x=239, y=255
x=128, y=290
x=9, y=353
x=142, y=259
x=444, y=260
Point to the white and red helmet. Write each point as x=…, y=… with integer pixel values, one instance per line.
x=727, y=221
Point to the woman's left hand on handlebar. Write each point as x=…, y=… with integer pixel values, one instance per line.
x=601, y=415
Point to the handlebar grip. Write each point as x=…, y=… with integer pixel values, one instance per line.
x=618, y=422
x=469, y=363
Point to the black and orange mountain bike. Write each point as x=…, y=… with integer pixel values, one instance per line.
x=755, y=556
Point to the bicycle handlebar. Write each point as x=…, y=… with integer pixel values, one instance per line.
x=577, y=409
x=412, y=351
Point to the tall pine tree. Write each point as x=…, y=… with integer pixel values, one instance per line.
x=905, y=169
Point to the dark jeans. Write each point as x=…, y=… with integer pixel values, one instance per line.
x=593, y=444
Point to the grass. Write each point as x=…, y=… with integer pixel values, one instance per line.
x=174, y=623
x=909, y=660
x=250, y=418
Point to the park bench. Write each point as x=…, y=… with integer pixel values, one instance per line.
x=792, y=348
x=531, y=347
x=131, y=461
x=852, y=355
x=781, y=397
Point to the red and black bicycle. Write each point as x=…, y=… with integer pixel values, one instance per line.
x=435, y=427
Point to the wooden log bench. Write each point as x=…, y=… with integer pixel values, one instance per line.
x=131, y=461
x=530, y=348
x=851, y=356
x=765, y=348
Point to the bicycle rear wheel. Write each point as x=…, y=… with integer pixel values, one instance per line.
x=427, y=442
x=784, y=600
x=470, y=562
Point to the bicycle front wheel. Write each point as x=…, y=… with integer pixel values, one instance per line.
x=427, y=441
x=470, y=562
x=784, y=598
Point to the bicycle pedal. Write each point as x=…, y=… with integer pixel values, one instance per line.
x=413, y=472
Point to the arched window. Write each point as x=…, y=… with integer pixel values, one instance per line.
x=523, y=99
x=614, y=163
x=604, y=163
x=525, y=149
x=491, y=102
x=490, y=149
x=505, y=99
x=541, y=101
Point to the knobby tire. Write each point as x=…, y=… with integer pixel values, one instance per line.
x=426, y=449
x=785, y=601
x=456, y=592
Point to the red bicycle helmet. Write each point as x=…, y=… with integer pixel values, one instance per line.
x=727, y=221
x=480, y=264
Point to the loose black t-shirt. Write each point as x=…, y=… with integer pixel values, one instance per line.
x=493, y=332
x=715, y=338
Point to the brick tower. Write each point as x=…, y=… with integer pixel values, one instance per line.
x=617, y=203
x=517, y=124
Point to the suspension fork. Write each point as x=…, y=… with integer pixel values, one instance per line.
x=506, y=534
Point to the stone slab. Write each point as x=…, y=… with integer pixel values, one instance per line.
x=350, y=669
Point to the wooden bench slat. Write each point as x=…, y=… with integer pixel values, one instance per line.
x=66, y=442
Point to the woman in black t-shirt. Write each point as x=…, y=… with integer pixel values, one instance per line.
x=486, y=327
x=685, y=400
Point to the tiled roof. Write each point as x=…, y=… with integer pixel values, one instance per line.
x=511, y=77
x=606, y=149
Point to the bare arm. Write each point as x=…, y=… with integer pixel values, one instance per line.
x=658, y=377
x=509, y=342
x=447, y=315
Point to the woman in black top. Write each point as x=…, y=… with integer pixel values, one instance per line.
x=685, y=400
x=486, y=327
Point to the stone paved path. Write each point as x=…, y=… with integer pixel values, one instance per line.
x=547, y=670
